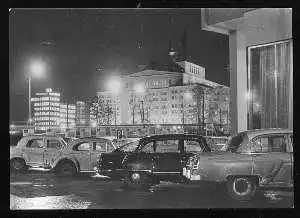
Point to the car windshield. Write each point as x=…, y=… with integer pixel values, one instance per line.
x=234, y=143
x=129, y=147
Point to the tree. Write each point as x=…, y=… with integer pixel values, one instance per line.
x=100, y=110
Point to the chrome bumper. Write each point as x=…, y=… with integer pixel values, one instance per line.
x=187, y=173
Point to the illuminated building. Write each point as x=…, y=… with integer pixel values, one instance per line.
x=81, y=113
x=67, y=115
x=46, y=107
x=168, y=97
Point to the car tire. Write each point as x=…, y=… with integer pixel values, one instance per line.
x=138, y=180
x=241, y=188
x=17, y=165
x=66, y=169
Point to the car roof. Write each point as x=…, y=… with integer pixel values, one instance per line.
x=255, y=132
x=170, y=135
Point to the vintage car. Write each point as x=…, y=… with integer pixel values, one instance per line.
x=250, y=160
x=53, y=153
x=151, y=159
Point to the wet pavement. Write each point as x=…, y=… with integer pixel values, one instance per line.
x=44, y=190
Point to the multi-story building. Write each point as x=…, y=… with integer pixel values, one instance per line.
x=67, y=115
x=46, y=108
x=164, y=97
x=81, y=113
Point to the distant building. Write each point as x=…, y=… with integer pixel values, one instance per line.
x=67, y=115
x=167, y=97
x=46, y=108
x=81, y=113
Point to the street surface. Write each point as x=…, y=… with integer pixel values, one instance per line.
x=44, y=190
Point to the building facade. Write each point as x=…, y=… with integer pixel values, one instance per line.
x=46, y=108
x=82, y=113
x=67, y=115
x=261, y=64
x=163, y=97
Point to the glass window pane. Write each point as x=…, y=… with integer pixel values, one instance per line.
x=53, y=144
x=192, y=146
x=269, y=86
x=148, y=148
x=167, y=146
x=35, y=143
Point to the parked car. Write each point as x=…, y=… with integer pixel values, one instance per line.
x=53, y=153
x=250, y=160
x=151, y=159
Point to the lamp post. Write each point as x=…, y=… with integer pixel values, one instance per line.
x=36, y=68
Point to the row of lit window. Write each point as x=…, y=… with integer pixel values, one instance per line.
x=46, y=108
x=47, y=124
x=69, y=115
x=65, y=106
x=67, y=111
x=46, y=113
x=46, y=118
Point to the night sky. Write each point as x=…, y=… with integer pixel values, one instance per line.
x=83, y=47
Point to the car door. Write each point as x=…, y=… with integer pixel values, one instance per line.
x=34, y=150
x=167, y=157
x=82, y=152
x=52, y=150
x=271, y=159
x=100, y=146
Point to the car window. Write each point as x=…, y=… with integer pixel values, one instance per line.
x=35, y=143
x=130, y=147
x=54, y=143
x=99, y=146
x=83, y=146
x=234, y=143
x=270, y=143
x=192, y=146
x=166, y=146
x=148, y=148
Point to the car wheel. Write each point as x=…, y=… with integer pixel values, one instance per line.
x=138, y=180
x=66, y=169
x=17, y=165
x=241, y=188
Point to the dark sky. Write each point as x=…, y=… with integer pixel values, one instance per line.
x=75, y=43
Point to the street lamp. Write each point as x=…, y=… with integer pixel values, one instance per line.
x=36, y=69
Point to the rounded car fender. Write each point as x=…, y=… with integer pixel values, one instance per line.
x=69, y=158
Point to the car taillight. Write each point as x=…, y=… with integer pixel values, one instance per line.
x=196, y=164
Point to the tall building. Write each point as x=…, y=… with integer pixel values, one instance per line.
x=67, y=115
x=46, y=108
x=82, y=113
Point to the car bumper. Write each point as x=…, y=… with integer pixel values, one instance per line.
x=188, y=173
